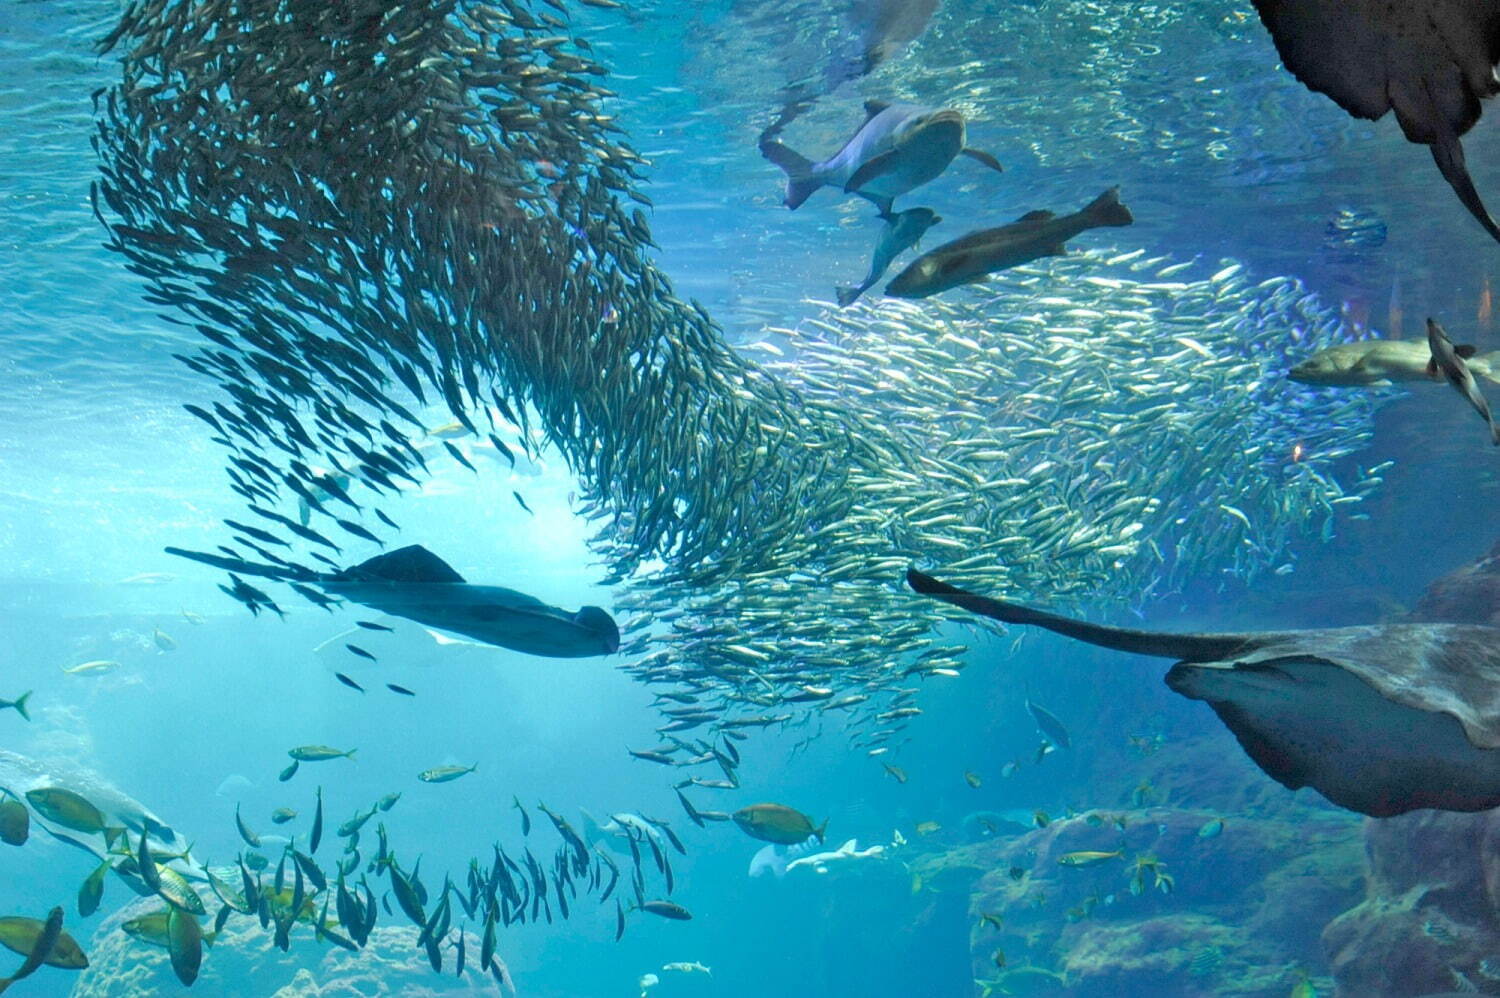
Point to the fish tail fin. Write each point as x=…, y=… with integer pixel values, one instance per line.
x=801, y=179
x=20, y=705
x=350, y=754
x=847, y=295
x=1108, y=209
x=1448, y=153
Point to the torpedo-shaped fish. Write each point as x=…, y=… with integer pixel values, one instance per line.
x=898, y=147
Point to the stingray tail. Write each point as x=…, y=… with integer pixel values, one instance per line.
x=1187, y=647
x=244, y=567
x=1107, y=209
x=801, y=179
x=1448, y=153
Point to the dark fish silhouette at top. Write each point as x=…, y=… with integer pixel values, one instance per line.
x=1430, y=61
x=416, y=584
x=870, y=33
x=1381, y=719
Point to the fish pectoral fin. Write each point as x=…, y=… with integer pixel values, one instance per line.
x=872, y=170
x=874, y=107
x=1465, y=350
x=983, y=157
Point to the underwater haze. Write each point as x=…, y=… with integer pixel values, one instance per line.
x=415, y=331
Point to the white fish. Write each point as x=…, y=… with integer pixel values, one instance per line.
x=899, y=147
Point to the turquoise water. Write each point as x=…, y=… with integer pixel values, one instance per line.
x=1225, y=161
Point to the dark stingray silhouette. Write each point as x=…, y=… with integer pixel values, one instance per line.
x=1381, y=719
x=416, y=584
x=1430, y=61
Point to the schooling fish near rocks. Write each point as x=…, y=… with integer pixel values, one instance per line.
x=1381, y=719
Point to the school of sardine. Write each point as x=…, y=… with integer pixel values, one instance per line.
x=370, y=210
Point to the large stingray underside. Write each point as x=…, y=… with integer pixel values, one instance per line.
x=1430, y=61
x=1381, y=719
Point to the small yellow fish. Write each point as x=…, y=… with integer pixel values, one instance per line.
x=990, y=918
x=896, y=772
x=163, y=640
x=1088, y=858
x=1041, y=819
x=973, y=780
x=927, y=827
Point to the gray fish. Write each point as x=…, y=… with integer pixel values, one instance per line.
x=1431, y=61
x=898, y=147
x=1450, y=362
x=1049, y=725
x=902, y=230
x=1034, y=235
x=1382, y=719
x=414, y=583
x=1382, y=363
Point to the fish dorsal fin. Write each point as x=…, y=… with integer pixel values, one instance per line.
x=849, y=847
x=413, y=563
x=1465, y=350
x=1432, y=368
x=1040, y=215
x=874, y=107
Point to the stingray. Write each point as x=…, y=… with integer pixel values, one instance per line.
x=416, y=584
x=1430, y=61
x=1380, y=719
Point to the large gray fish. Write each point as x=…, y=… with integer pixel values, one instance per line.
x=902, y=230
x=1034, y=235
x=1431, y=61
x=1382, y=363
x=1450, y=362
x=414, y=583
x=1381, y=719
x=899, y=147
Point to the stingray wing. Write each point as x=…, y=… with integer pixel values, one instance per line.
x=1431, y=61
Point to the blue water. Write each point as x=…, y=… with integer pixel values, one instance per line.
x=1221, y=155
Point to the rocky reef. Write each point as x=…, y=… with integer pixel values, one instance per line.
x=244, y=961
x=1430, y=919
x=1166, y=901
